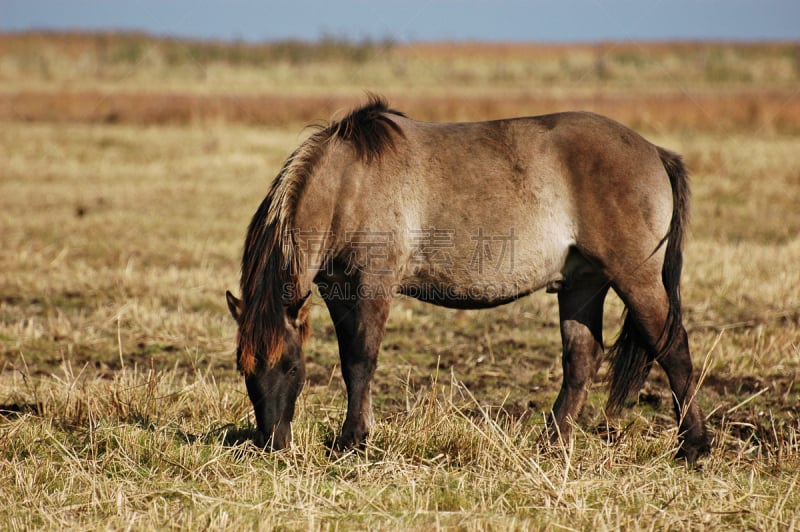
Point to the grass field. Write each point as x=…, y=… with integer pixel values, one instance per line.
x=120, y=405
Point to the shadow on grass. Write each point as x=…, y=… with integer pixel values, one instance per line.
x=229, y=435
x=10, y=411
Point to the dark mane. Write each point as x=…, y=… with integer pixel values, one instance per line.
x=271, y=265
x=369, y=130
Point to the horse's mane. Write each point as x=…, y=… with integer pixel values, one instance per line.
x=271, y=264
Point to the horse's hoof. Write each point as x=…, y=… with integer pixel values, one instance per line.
x=347, y=442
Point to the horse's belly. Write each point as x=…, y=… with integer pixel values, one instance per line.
x=495, y=271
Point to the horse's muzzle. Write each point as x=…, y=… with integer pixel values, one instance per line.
x=279, y=439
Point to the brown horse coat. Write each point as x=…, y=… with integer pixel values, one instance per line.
x=469, y=215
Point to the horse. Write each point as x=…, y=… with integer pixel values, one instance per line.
x=468, y=215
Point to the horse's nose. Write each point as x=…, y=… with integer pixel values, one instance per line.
x=280, y=438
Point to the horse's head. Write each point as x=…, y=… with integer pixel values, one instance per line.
x=277, y=378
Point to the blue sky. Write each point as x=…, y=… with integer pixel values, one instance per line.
x=410, y=20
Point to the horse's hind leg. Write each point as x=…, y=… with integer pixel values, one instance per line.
x=648, y=306
x=581, y=317
x=677, y=364
x=359, y=324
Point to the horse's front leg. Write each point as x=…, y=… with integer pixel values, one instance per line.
x=360, y=324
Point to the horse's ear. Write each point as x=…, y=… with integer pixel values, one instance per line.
x=293, y=310
x=303, y=323
x=234, y=305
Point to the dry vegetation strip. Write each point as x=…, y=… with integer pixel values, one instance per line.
x=776, y=110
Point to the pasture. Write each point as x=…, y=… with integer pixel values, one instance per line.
x=129, y=169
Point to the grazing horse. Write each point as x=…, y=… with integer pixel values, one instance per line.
x=469, y=216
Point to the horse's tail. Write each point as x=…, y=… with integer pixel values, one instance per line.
x=631, y=355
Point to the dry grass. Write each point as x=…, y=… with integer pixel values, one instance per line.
x=698, y=111
x=122, y=408
x=143, y=80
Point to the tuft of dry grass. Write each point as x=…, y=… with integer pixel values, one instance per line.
x=120, y=405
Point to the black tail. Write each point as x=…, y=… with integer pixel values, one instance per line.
x=631, y=356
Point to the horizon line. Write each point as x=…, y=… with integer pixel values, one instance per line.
x=391, y=40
